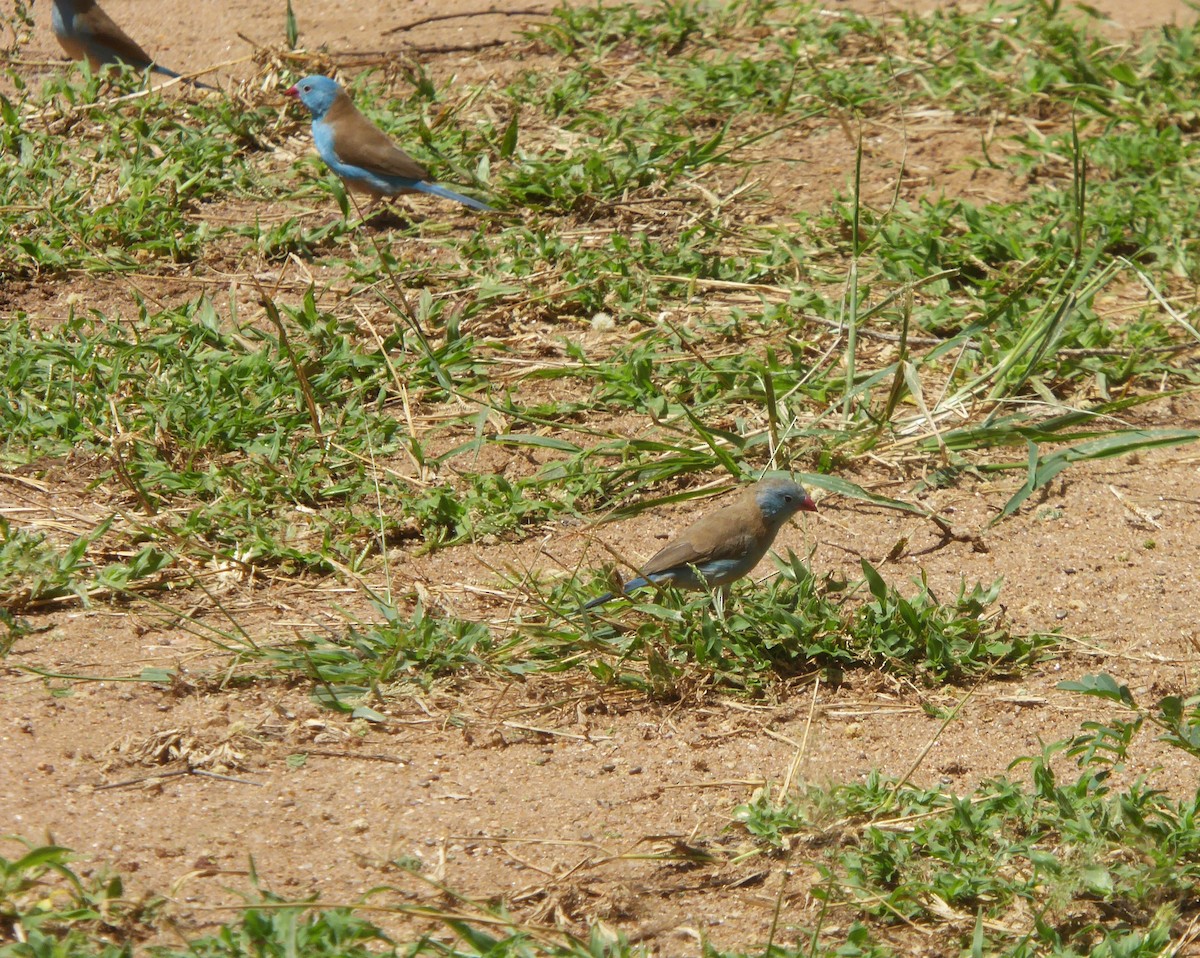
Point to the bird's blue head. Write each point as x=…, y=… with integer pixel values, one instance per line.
x=317, y=93
x=780, y=499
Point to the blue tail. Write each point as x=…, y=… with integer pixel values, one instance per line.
x=171, y=73
x=435, y=190
x=630, y=586
x=599, y=600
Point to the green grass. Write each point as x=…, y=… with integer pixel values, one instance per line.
x=1058, y=860
x=658, y=172
x=746, y=342
x=1052, y=859
x=798, y=625
x=48, y=909
x=794, y=626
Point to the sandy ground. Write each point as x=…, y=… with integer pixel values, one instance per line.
x=547, y=793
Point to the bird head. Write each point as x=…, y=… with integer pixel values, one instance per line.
x=315, y=92
x=780, y=499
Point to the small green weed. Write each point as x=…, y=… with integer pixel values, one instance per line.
x=797, y=625
x=47, y=909
x=370, y=661
x=34, y=571
x=1176, y=718
x=1064, y=854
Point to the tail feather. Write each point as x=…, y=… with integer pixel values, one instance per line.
x=599, y=600
x=630, y=586
x=435, y=189
x=171, y=73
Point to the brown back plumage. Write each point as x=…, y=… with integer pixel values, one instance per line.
x=726, y=533
x=91, y=19
x=360, y=142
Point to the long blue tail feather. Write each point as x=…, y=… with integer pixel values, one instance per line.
x=435, y=189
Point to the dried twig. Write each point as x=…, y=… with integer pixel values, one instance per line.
x=490, y=12
x=175, y=774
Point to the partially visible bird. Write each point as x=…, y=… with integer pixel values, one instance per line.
x=361, y=153
x=724, y=545
x=86, y=32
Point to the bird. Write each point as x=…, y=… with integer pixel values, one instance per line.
x=86, y=32
x=722, y=546
x=361, y=153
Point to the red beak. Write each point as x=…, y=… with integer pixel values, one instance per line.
x=291, y=91
x=808, y=505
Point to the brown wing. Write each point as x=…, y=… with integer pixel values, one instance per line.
x=727, y=533
x=101, y=26
x=361, y=143
x=75, y=50
x=685, y=551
